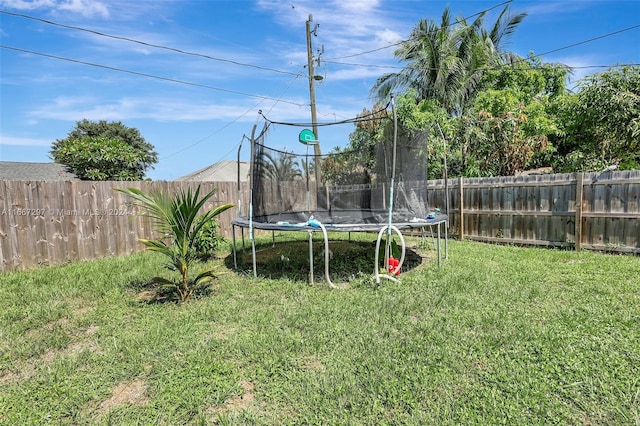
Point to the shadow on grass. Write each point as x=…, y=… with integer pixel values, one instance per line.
x=151, y=293
x=290, y=260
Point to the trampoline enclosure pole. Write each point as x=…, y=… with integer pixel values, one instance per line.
x=392, y=186
x=253, y=243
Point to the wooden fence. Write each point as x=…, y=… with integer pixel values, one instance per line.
x=598, y=211
x=46, y=223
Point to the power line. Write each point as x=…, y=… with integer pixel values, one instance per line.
x=171, y=80
x=486, y=68
x=334, y=60
x=523, y=59
x=589, y=40
x=157, y=46
x=405, y=41
x=232, y=121
x=371, y=116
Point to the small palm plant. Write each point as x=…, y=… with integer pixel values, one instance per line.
x=178, y=219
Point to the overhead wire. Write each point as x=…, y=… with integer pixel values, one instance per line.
x=175, y=50
x=366, y=117
x=589, y=40
x=253, y=108
x=142, y=74
x=409, y=39
x=523, y=59
x=143, y=43
x=263, y=98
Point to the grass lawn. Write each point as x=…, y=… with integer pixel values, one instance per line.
x=499, y=335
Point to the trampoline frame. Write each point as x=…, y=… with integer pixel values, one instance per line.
x=440, y=222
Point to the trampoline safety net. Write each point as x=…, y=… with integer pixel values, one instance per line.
x=344, y=186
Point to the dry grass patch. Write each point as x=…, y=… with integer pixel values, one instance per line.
x=237, y=403
x=25, y=370
x=125, y=393
x=313, y=364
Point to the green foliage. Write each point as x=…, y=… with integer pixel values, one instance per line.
x=428, y=115
x=358, y=160
x=603, y=122
x=508, y=133
x=530, y=78
x=105, y=151
x=178, y=219
x=281, y=167
x=98, y=158
x=445, y=61
x=208, y=239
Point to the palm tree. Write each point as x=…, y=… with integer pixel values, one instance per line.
x=485, y=50
x=178, y=220
x=432, y=62
x=281, y=167
x=445, y=61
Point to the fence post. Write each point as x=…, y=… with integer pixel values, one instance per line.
x=460, y=214
x=578, y=218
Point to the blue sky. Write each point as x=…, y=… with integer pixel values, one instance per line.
x=256, y=61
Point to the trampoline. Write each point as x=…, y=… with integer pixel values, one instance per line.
x=382, y=189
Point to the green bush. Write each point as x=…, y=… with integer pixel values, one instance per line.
x=208, y=239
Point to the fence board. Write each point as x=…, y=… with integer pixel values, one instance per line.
x=599, y=210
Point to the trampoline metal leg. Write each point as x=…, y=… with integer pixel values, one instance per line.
x=253, y=254
x=310, y=257
x=446, y=240
x=233, y=239
x=439, y=262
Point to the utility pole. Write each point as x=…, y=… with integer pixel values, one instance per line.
x=312, y=98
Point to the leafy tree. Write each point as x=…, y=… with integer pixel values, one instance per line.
x=354, y=164
x=98, y=158
x=179, y=222
x=446, y=62
x=105, y=151
x=344, y=167
x=507, y=130
x=437, y=125
x=530, y=77
x=603, y=122
x=508, y=134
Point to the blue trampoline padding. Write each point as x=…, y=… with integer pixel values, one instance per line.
x=342, y=221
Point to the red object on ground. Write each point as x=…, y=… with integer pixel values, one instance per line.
x=393, y=264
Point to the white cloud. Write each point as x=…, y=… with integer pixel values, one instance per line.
x=26, y=4
x=128, y=108
x=19, y=141
x=85, y=8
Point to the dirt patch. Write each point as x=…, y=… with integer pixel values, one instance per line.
x=146, y=296
x=134, y=393
x=242, y=402
x=224, y=334
x=235, y=403
x=24, y=370
x=312, y=364
x=290, y=259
